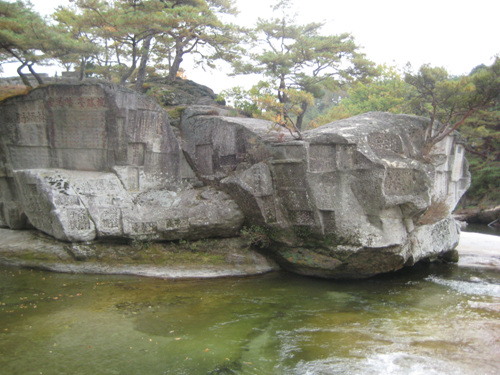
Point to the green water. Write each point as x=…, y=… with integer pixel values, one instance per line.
x=430, y=320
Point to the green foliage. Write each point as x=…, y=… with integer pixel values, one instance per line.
x=257, y=236
x=450, y=101
x=119, y=40
x=26, y=38
x=79, y=26
x=242, y=100
x=386, y=92
x=135, y=34
x=297, y=58
x=141, y=244
x=176, y=113
x=469, y=103
x=484, y=189
x=261, y=102
x=286, y=115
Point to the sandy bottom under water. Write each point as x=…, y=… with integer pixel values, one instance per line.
x=432, y=319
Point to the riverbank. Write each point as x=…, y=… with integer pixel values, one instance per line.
x=479, y=250
x=208, y=258
x=185, y=260
x=482, y=216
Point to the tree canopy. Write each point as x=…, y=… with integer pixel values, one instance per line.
x=450, y=101
x=385, y=92
x=25, y=37
x=299, y=63
x=120, y=40
x=134, y=33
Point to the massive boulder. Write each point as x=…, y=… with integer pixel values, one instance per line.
x=351, y=199
x=97, y=161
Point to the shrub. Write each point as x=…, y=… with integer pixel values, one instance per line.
x=256, y=236
x=437, y=211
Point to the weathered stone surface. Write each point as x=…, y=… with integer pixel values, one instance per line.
x=181, y=92
x=83, y=206
x=95, y=161
x=91, y=127
x=352, y=199
x=218, y=257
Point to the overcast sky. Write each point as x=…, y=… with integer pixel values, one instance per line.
x=455, y=34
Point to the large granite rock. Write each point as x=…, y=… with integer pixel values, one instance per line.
x=95, y=161
x=352, y=199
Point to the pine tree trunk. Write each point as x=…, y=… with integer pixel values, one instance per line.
x=141, y=73
x=81, y=75
x=300, y=118
x=23, y=76
x=35, y=74
x=128, y=73
x=132, y=68
x=281, y=91
x=174, y=68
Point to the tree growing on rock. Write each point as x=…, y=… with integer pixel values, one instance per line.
x=132, y=33
x=26, y=38
x=299, y=62
x=123, y=29
x=81, y=22
x=199, y=32
x=451, y=101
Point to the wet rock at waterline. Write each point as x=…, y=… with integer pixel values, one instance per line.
x=351, y=199
x=207, y=258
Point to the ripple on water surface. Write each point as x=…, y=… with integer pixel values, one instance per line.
x=430, y=320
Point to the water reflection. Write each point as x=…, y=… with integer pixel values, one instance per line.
x=428, y=320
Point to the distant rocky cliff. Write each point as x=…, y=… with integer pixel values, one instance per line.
x=94, y=161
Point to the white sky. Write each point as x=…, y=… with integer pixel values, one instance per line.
x=455, y=34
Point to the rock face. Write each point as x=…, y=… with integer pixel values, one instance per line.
x=95, y=161
x=352, y=199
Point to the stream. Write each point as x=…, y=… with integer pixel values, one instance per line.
x=431, y=319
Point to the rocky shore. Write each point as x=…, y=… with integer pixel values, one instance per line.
x=479, y=250
x=488, y=216
x=220, y=258
x=185, y=260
